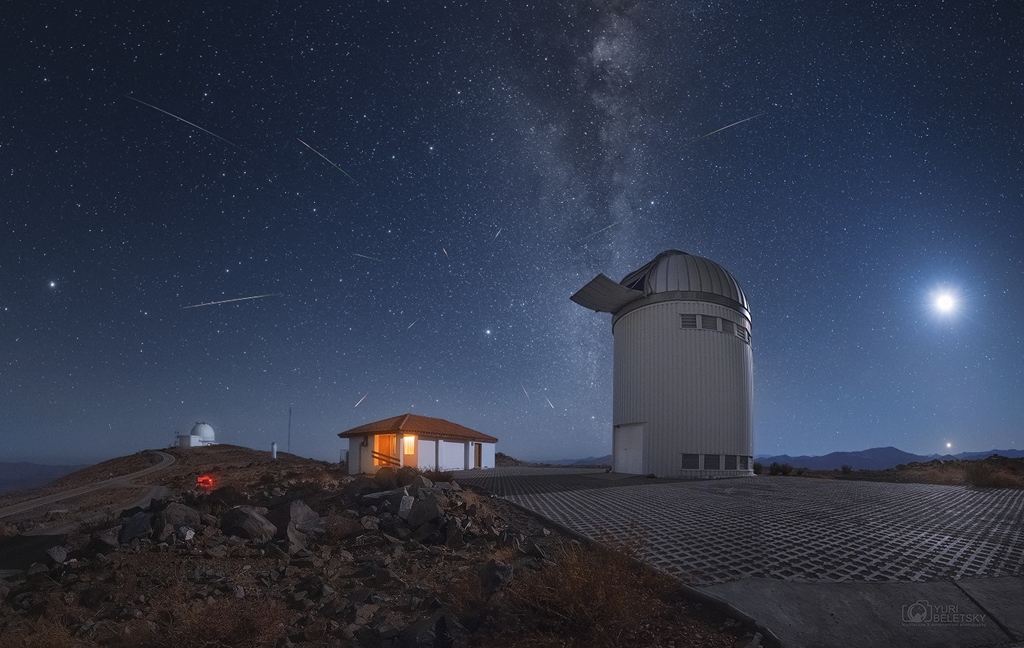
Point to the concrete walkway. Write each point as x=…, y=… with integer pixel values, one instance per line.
x=820, y=562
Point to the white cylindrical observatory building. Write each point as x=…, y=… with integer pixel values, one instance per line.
x=683, y=374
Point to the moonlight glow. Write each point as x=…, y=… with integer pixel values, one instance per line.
x=945, y=302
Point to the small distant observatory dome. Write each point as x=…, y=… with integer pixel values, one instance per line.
x=683, y=368
x=203, y=430
x=201, y=435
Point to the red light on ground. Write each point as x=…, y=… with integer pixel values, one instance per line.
x=205, y=482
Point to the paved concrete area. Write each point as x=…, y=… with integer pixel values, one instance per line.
x=820, y=562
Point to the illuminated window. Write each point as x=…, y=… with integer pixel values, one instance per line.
x=410, y=445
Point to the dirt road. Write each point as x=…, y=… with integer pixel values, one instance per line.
x=165, y=461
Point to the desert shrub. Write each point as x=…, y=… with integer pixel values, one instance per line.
x=758, y=467
x=438, y=475
x=847, y=469
x=800, y=472
x=406, y=474
x=592, y=596
x=990, y=475
x=779, y=469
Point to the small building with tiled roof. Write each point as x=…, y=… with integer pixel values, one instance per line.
x=419, y=441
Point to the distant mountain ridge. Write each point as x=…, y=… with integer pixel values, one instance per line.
x=22, y=475
x=874, y=458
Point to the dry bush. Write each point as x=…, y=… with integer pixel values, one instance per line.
x=988, y=475
x=44, y=632
x=438, y=475
x=592, y=596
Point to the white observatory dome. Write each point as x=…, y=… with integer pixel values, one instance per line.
x=204, y=431
x=675, y=271
x=682, y=375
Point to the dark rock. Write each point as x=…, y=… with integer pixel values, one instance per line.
x=453, y=535
x=244, y=522
x=427, y=533
x=93, y=597
x=420, y=482
x=177, y=515
x=386, y=477
x=57, y=554
x=494, y=575
x=137, y=526
x=406, y=475
x=425, y=510
x=405, y=507
x=430, y=632
x=227, y=496
x=297, y=513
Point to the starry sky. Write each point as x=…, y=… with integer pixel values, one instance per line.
x=420, y=186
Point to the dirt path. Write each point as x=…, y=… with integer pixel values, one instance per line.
x=14, y=509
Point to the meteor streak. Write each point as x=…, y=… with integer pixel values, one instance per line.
x=600, y=230
x=549, y=402
x=184, y=120
x=228, y=301
x=413, y=324
x=496, y=235
x=363, y=256
x=525, y=392
x=328, y=161
x=445, y=253
x=729, y=126
x=360, y=400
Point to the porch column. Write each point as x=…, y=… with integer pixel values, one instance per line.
x=400, y=443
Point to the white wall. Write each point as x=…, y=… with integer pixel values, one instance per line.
x=452, y=455
x=427, y=454
x=691, y=387
x=488, y=456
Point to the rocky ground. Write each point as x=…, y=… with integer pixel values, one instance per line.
x=293, y=553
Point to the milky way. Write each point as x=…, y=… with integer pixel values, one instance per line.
x=421, y=186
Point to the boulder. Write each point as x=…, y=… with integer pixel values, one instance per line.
x=304, y=519
x=138, y=525
x=177, y=515
x=386, y=477
x=244, y=522
x=424, y=510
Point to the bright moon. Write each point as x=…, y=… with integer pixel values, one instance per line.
x=949, y=445
x=945, y=303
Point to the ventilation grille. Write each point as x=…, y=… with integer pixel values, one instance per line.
x=730, y=462
x=744, y=463
x=710, y=323
x=712, y=462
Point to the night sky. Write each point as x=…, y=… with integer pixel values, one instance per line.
x=463, y=168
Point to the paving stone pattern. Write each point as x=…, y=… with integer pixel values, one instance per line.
x=790, y=528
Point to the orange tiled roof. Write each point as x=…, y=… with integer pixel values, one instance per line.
x=423, y=426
